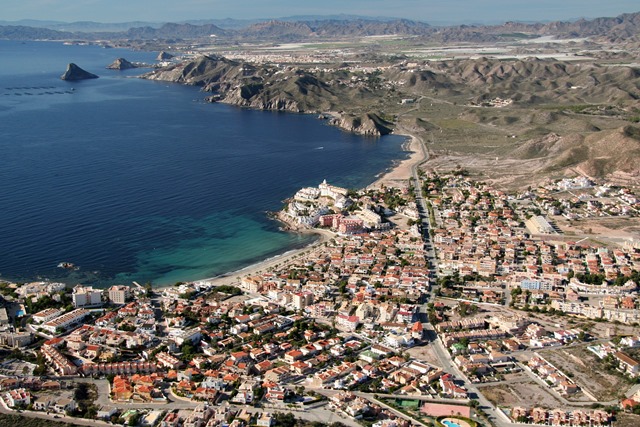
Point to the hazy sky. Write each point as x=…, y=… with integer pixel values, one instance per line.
x=425, y=10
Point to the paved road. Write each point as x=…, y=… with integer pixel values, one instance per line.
x=440, y=351
x=495, y=417
x=420, y=202
x=52, y=417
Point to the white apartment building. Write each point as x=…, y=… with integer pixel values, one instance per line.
x=86, y=296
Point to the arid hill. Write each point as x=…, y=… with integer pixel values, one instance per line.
x=538, y=89
x=530, y=81
x=596, y=154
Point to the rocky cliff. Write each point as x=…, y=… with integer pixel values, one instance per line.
x=76, y=73
x=369, y=124
x=270, y=88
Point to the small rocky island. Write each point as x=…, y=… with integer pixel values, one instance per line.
x=121, y=64
x=76, y=73
x=164, y=56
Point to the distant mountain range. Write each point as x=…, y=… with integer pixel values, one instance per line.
x=227, y=24
x=623, y=27
x=81, y=26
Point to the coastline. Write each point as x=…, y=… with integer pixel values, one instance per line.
x=397, y=170
x=396, y=175
x=401, y=171
x=231, y=278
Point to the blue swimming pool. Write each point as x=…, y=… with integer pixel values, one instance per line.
x=450, y=423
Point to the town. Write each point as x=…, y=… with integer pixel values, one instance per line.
x=435, y=301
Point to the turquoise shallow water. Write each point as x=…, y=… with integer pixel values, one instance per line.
x=138, y=180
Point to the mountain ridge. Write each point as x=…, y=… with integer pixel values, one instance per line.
x=622, y=27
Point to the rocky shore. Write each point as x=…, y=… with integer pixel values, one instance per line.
x=268, y=88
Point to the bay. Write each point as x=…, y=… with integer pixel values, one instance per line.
x=137, y=180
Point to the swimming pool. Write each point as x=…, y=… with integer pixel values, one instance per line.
x=450, y=423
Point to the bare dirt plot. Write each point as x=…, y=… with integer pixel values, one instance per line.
x=425, y=353
x=500, y=395
x=516, y=377
x=526, y=394
x=627, y=420
x=587, y=372
x=604, y=329
x=16, y=368
x=610, y=231
x=597, y=329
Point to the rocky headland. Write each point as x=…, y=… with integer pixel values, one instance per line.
x=295, y=89
x=369, y=124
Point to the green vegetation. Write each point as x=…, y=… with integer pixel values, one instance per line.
x=22, y=421
x=466, y=309
x=581, y=109
x=7, y=291
x=228, y=289
x=455, y=124
x=410, y=404
x=599, y=279
x=86, y=394
x=148, y=289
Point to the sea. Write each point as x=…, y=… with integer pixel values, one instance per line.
x=136, y=180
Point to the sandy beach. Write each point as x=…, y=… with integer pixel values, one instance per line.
x=232, y=278
x=402, y=171
x=397, y=176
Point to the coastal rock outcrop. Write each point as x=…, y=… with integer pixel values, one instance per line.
x=121, y=64
x=163, y=56
x=369, y=124
x=76, y=73
x=250, y=96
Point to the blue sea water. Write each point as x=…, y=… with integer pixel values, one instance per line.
x=137, y=180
